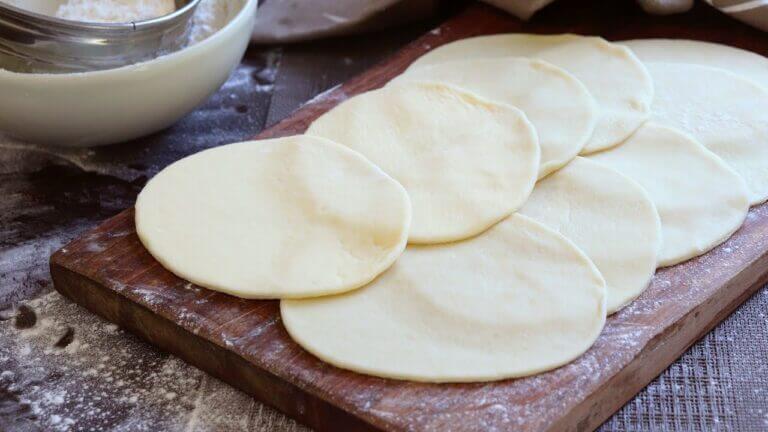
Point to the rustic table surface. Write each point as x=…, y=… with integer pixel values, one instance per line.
x=61, y=368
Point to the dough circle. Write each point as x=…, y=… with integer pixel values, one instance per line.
x=466, y=163
x=609, y=216
x=726, y=113
x=744, y=63
x=700, y=200
x=616, y=79
x=516, y=300
x=281, y=218
x=558, y=105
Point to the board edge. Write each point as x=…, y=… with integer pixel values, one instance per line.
x=291, y=400
x=598, y=407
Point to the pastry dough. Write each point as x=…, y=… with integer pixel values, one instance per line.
x=726, y=113
x=557, y=104
x=517, y=300
x=466, y=163
x=288, y=217
x=615, y=77
x=701, y=200
x=741, y=62
x=609, y=216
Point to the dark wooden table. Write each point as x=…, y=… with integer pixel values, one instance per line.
x=62, y=368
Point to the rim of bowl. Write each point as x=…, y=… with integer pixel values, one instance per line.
x=109, y=26
x=248, y=6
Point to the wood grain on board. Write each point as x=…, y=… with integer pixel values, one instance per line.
x=243, y=342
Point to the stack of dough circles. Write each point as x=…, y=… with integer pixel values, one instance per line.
x=282, y=218
x=517, y=300
x=614, y=76
x=741, y=62
x=557, y=104
x=728, y=114
x=609, y=216
x=701, y=201
x=466, y=163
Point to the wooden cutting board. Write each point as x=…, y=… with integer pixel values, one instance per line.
x=244, y=343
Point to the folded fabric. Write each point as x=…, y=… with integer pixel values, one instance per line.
x=295, y=20
x=752, y=12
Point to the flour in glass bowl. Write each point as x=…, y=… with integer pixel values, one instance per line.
x=114, y=11
x=210, y=15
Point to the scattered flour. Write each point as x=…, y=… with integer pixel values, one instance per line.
x=81, y=157
x=73, y=371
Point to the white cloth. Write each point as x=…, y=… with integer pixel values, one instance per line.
x=296, y=20
x=525, y=8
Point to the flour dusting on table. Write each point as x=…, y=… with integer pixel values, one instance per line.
x=79, y=372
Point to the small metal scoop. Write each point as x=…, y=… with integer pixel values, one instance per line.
x=32, y=42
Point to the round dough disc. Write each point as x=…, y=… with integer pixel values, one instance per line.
x=557, y=104
x=741, y=62
x=616, y=78
x=609, y=216
x=466, y=163
x=517, y=300
x=700, y=200
x=726, y=113
x=282, y=218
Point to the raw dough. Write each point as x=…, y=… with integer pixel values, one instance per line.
x=726, y=113
x=701, y=200
x=615, y=77
x=466, y=163
x=288, y=217
x=741, y=62
x=516, y=300
x=609, y=216
x=557, y=104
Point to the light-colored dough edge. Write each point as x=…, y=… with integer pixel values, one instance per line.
x=146, y=240
x=476, y=378
x=550, y=166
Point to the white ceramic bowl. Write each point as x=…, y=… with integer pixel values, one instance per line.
x=106, y=107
